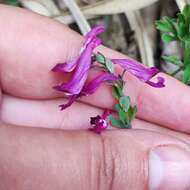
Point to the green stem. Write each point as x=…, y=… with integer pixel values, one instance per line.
x=177, y=71
x=186, y=52
x=123, y=73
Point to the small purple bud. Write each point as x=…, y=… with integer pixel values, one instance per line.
x=99, y=123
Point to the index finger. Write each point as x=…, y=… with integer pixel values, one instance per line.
x=31, y=45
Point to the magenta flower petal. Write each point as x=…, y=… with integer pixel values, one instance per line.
x=65, y=67
x=75, y=85
x=136, y=68
x=93, y=33
x=105, y=114
x=95, y=120
x=141, y=72
x=94, y=84
x=89, y=89
x=69, y=103
x=70, y=66
x=159, y=84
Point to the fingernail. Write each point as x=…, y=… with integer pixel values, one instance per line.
x=169, y=168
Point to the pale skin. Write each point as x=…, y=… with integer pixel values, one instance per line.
x=32, y=156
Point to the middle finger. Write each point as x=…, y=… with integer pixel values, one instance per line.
x=46, y=114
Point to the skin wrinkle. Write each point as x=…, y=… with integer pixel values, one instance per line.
x=145, y=170
x=115, y=159
x=91, y=164
x=144, y=165
x=113, y=168
x=107, y=164
x=95, y=163
x=99, y=177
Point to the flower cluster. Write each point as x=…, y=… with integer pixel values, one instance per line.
x=78, y=85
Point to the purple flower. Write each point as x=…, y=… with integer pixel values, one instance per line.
x=81, y=64
x=70, y=65
x=94, y=84
x=141, y=72
x=99, y=123
x=75, y=85
x=90, y=88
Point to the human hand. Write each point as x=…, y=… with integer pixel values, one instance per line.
x=36, y=158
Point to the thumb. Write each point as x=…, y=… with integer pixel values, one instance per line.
x=134, y=159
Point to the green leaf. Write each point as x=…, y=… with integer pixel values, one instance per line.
x=118, y=107
x=117, y=91
x=109, y=65
x=106, y=62
x=186, y=57
x=132, y=113
x=182, y=27
x=12, y=2
x=116, y=122
x=186, y=12
x=160, y=25
x=121, y=83
x=166, y=24
x=186, y=75
x=100, y=58
x=123, y=116
x=172, y=59
x=168, y=38
x=124, y=102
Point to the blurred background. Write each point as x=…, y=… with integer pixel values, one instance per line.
x=130, y=24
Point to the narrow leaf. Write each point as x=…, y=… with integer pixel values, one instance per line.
x=172, y=59
x=124, y=102
x=118, y=107
x=116, y=122
x=167, y=24
x=168, y=38
x=123, y=116
x=117, y=91
x=160, y=25
x=12, y=2
x=186, y=75
x=100, y=58
x=109, y=65
x=132, y=113
x=186, y=12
